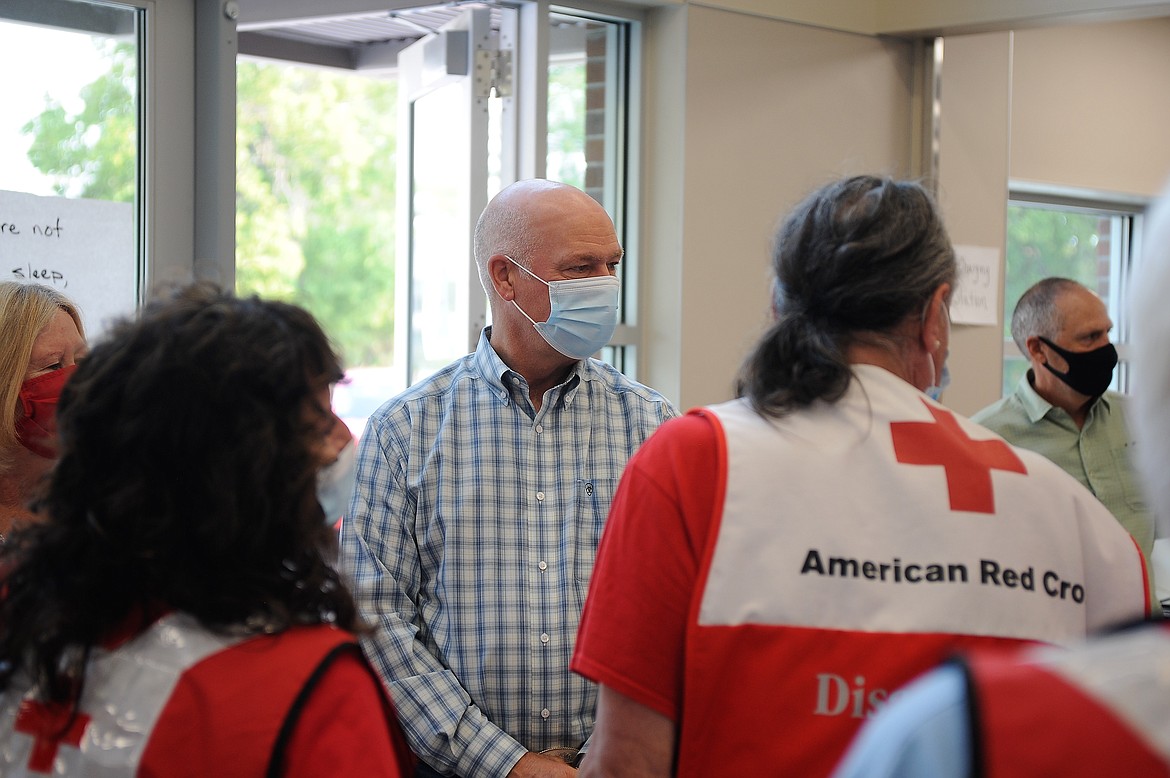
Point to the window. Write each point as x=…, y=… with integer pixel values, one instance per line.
x=588, y=138
x=1089, y=241
x=70, y=134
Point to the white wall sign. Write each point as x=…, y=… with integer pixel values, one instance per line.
x=977, y=289
x=82, y=248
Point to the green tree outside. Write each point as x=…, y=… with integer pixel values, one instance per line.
x=566, y=123
x=97, y=147
x=315, y=199
x=1043, y=242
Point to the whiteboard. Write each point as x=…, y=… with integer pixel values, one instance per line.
x=83, y=248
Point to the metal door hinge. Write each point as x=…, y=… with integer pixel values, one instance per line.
x=493, y=73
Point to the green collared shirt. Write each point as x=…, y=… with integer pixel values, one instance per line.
x=1099, y=454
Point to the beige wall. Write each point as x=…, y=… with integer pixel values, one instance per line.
x=747, y=115
x=972, y=188
x=1091, y=106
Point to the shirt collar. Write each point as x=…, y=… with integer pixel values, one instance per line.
x=489, y=367
x=1036, y=406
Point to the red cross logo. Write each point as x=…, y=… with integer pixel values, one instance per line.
x=50, y=724
x=968, y=462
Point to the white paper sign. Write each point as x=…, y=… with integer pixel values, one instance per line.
x=82, y=248
x=977, y=289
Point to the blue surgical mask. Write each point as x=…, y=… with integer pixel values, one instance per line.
x=935, y=392
x=335, y=484
x=583, y=313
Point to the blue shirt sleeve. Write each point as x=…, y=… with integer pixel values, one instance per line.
x=922, y=733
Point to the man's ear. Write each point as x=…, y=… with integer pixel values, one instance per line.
x=1033, y=345
x=500, y=274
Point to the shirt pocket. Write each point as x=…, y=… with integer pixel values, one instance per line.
x=1131, y=488
x=591, y=500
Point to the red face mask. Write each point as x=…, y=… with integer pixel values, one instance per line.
x=36, y=428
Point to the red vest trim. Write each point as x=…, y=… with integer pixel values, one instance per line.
x=231, y=718
x=175, y=700
x=1032, y=719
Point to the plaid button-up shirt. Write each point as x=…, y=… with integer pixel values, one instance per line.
x=470, y=543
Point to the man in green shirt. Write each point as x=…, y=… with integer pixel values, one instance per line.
x=1061, y=407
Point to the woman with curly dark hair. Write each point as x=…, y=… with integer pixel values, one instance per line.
x=176, y=614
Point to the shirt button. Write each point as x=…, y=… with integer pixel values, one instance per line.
x=516, y=380
x=542, y=565
x=544, y=714
x=540, y=496
x=539, y=428
x=543, y=637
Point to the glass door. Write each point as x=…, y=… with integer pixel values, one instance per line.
x=445, y=83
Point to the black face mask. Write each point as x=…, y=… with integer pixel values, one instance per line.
x=1089, y=372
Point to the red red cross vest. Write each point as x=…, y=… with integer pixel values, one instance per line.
x=1100, y=709
x=161, y=699
x=913, y=533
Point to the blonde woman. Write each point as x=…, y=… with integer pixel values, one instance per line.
x=41, y=339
